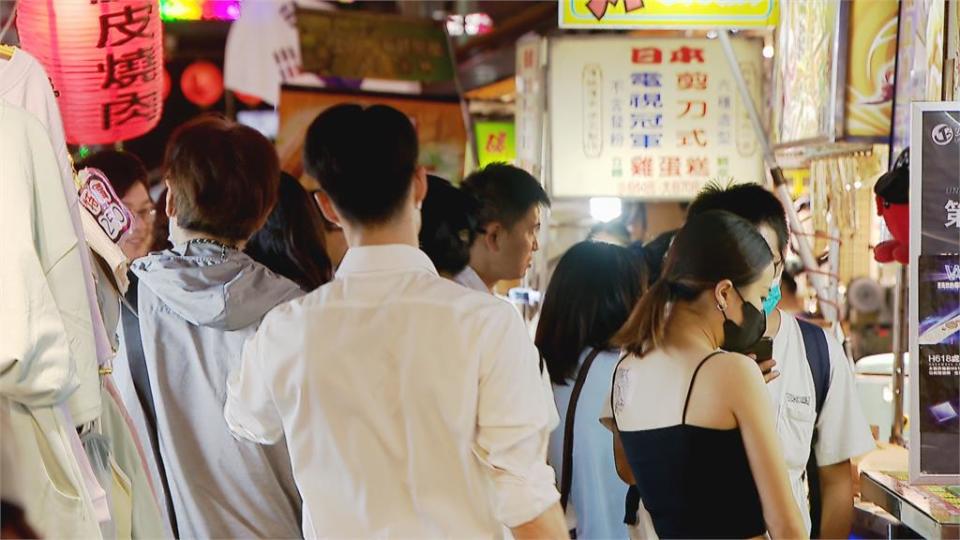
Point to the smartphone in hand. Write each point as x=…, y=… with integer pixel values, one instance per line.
x=763, y=349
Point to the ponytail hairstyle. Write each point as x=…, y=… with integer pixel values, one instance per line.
x=712, y=246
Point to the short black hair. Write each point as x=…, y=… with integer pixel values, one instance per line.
x=506, y=193
x=449, y=225
x=752, y=202
x=364, y=159
x=123, y=169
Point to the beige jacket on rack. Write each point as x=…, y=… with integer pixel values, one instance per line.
x=43, y=300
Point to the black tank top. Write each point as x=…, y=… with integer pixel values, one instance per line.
x=694, y=481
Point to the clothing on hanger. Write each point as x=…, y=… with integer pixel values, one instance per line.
x=24, y=83
x=42, y=306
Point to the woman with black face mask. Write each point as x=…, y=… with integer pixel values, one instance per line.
x=691, y=417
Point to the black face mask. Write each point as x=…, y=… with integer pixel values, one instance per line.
x=741, y=337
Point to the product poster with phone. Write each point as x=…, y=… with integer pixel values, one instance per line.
x=935, y=293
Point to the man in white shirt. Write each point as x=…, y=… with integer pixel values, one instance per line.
x=509, y=220
x=842, y=431
x=411, y=407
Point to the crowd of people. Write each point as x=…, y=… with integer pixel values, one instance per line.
x=336, y=364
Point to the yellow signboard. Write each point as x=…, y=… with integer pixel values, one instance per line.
x=629, y=14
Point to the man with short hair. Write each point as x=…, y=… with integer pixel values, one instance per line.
x=831, y=435
x=412, y=408
x=509, y=221
x=198, y=302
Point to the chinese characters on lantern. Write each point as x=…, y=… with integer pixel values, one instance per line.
x=128, y=25
x=105, y=62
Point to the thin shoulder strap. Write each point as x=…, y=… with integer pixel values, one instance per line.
x=566, y=473
x=693, y=379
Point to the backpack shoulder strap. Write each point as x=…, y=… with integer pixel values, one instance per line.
x=566, y=474
x=818, y=356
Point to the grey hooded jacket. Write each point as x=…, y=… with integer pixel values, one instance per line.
x=197, y=304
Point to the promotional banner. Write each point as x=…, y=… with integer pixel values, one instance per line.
x=872, y=54
x=630, y=14
x=654, y=119
x=439, y=123
x=921, y=43
x=935, y=308
x=803, y=103
x=495, y=141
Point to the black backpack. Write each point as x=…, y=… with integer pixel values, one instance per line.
x=818, y=356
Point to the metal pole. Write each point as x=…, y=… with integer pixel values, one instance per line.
x=900, y=344
x=818, y=280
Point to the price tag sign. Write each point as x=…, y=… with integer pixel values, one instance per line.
x=98, y=197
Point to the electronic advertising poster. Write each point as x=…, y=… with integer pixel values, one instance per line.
x=935, y=293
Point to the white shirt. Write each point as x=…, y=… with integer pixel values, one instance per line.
x=843, y=429
x=471, y=280
x=411, y=407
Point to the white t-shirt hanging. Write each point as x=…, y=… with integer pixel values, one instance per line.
x=843, y=429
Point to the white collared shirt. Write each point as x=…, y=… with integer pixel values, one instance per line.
x=470, y=279
x=843, y=432
x=411, y=407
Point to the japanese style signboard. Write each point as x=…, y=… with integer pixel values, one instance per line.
x=654, y=119
x=628, y=14
x=105, y=61
x=935, y=308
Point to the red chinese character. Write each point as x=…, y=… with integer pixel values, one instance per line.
x=642, y=166
x=688, y=106
x=692, y=81
x=131, y=22
x=496, y=142
x=698, y=167
x=127, y=107
x=697, y=136
x=528, y=58
x=647, y=55
x=599, y=7
x=685, y=55
x=669, y=166
x=128, y=68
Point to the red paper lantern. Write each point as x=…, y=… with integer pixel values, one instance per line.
x=105, y=61
x=249, y=100
x=202, y=83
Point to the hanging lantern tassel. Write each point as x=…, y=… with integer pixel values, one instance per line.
x=105, y=61
x=202, y=83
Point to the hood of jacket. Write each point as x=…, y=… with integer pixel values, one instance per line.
x=209, y=284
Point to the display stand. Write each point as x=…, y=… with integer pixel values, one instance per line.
x=930, y=511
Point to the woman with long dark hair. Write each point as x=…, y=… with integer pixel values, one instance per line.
x=291, y=241
x=688, y=407
x=590, y=296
